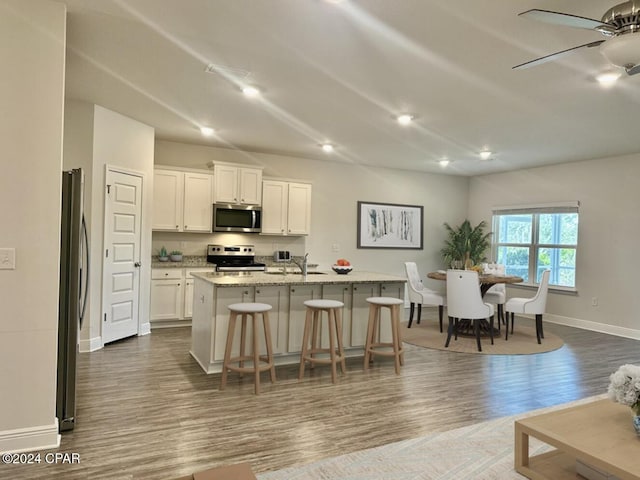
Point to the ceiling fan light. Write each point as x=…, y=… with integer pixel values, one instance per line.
x=206, y=131
x=607, y=79
x=327, y=147
x=250, y=91
x=623, y=50
x=485, y=154
x=404, y=119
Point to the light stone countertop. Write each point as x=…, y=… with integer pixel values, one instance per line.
x=248, y=279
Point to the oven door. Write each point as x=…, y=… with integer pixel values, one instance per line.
x=237, y=218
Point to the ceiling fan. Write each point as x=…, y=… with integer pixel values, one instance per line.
x=620, y=24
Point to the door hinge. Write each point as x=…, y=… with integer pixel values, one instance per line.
x=106, y=253
x=108, y=189
x=105, y=317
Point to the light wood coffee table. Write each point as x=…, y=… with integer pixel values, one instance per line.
x=598, y=433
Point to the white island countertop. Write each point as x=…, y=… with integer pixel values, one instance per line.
x=247, y=279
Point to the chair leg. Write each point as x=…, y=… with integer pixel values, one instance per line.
x=500, y=316
x=449, y=332
x=256, y=353
x=370, y=334
x=512, y=316
x=506, y=329
x=541, y=328
x=476, y=326
x=440, y=315
x=491, y=327
x=455, y=327
x=412, y=307
x=419, y=312
x=305, y=342
x=343, y=363
x=538, y=326
x=267, y=340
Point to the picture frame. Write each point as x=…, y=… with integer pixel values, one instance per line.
x=390, y=225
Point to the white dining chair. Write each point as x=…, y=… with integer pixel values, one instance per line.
x=464, y=301
x=497, y=295
x=421, y=295
x=533, y=306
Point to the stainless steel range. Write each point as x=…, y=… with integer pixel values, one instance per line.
x=233, y=258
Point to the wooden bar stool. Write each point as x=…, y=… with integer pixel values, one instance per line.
x=381, y=348
x=258, y=363
x=311, y=329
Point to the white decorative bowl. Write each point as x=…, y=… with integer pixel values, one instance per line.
x=341, y=270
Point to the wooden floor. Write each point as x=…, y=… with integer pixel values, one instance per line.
x=147, y=411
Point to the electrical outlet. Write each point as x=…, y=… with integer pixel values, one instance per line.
x=594, y=301
x=7, y=258
x=335, y=247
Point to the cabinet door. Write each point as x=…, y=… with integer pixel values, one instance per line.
x=274, y=207
x=299, y=209
x=166, y=299
x=340, y=293
x=226, y=184
x=188, y=298
x=224, y=298
x=250, y=186
x=360, y=311
x=278, y=298
x=198, y=201
x=167, y=200
x=395, y=290
x=298, y=294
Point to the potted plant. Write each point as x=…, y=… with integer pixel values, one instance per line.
x=176, y=256
x=466, y=245
x=162, y=255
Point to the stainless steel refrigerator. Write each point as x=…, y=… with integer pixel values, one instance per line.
x=74, y=280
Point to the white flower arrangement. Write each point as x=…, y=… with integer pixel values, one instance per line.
x=625, y=386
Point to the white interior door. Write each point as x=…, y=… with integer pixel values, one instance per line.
x=122, y=237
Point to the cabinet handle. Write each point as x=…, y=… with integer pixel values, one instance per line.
x=384, y=288
x=185, y=227
x=242, y=200
x=293, y=289
x=166, y=274
x=246, y=292
x=178, y=284
x=177, y=227
x=346, y=288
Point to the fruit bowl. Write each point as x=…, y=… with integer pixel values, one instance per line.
x=341, y=270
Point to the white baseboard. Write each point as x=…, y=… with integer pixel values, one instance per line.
x=145, y=329
x=30, y=439
x=90, y=345
x=170, y=323
x=592, y=326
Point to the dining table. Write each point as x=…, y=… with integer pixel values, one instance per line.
x=485, y=281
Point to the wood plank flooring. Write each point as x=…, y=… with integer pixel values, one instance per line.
x=147, y=411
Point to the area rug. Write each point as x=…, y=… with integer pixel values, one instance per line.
x=522, y=342
x=481, y=451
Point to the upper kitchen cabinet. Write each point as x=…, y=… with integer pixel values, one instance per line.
x=182, y=201
x=238, y=185
x=286, y=208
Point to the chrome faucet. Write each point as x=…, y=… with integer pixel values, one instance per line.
x=303, y=265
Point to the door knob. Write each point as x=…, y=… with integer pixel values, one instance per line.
x=137, y=265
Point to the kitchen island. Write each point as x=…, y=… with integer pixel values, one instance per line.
x=215, y=291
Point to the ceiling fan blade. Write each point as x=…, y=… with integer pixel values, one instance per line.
x=633, y=70
x=567, y=20
x=555, y=56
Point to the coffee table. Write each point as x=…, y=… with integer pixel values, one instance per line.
x=598, y=433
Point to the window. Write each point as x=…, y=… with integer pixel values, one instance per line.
x=529, y=240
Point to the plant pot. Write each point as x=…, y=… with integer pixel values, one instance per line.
x=163, y=259
x=176, y=258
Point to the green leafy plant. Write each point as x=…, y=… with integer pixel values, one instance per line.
x=465, y=242
x=163, y=252
x=176, y=252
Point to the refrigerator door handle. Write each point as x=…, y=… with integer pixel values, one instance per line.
x=84, y=282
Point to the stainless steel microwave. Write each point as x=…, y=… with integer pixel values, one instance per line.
x=237, y=218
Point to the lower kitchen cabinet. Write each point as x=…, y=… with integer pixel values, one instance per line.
x=167, y=287
x=298, y=294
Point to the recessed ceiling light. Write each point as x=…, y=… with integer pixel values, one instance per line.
x=206, y=131
x=250, y=91
x=444, y=162
x=404, y=119
x=485, y=154
x=327, y=147
x=608, y=78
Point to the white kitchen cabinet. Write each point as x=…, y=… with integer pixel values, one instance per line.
x=286, y=208
x=188, y=289
x=278, y=298
x=167, y=293
x=223, y=298
x=237, y=185
x=182, y=201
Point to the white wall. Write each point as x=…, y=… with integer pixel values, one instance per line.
x=607, y=260
x=94, y=138
x=336, y=189
x=32, y=55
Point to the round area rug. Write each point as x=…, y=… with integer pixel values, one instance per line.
x=522, y=342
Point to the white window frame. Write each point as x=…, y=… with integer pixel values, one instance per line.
x=533, y=246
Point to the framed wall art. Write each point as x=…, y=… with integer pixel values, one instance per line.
x=390, y=225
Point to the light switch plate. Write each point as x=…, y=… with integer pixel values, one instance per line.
x=7, y=258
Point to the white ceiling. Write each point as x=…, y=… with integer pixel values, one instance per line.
x=341, y=72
